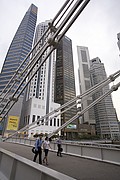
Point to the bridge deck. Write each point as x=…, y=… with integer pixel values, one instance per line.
x=78, y=168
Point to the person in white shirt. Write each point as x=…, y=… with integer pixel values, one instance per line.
x=46, y=146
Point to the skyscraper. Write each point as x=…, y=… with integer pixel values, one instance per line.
x=20, y=46
x=39, y=99
x=85, y=83
x=42, y=85
x=65, y=83
x=118, y=37
x=105, y=115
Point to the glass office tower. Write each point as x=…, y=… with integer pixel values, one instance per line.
x=20, y=46
x=18, y=50
x=65, y=84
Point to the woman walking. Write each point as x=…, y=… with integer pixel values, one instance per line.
x=46, y=146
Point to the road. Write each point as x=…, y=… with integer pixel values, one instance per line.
x=78, y=168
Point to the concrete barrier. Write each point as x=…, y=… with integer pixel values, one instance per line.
x=14, y=167
x=100, y=152
x=104, y=154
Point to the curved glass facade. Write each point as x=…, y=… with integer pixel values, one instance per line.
x=20, y=46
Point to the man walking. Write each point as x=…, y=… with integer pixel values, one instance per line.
x=38, y=149
x=59, y=145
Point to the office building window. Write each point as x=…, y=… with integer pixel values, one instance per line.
x=51, y=122
x=58, y=124
x=54, y=121
x=38, y=117
x=33, y=118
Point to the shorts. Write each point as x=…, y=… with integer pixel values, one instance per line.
x=46, y=152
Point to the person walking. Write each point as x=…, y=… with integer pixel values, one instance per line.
x=38, y=149
x=46, y=146
x=59, y=145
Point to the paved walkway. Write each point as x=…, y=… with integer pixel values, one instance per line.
x=78, y=168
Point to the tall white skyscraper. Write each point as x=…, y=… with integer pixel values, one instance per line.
x=42, y=85
x=40, y=91
x=105, y=114
x=85, y=84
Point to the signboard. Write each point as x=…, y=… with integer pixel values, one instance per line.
x=13, y=122
x=1, y=125
x=72, y=126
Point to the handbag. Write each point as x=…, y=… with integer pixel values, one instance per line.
x=61, y=149
x=33, y=149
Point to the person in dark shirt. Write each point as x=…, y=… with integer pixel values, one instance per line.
x=59, y=145
x=38, y=149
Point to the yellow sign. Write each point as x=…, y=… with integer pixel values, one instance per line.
x=13, y=123
x=0, y=118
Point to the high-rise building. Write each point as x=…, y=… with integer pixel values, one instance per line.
x=85, y=83
x=65, y=83
x=42, y=85
x=18, y=50
x=118, y=37
x=105, y=114
x=39, y=99
x=20, y=46
x=52, y=86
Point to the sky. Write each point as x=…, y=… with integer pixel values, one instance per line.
x=96, y=28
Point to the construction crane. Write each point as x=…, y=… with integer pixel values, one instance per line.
x=58, y=27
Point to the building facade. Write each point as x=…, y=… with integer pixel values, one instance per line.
x=34, y=109
x=65, y=84
x=105, y=114
x=18, y=50
x=41, y=89
x=85, y=83
x=118, y=37
x=20, y=46
x=42, y=85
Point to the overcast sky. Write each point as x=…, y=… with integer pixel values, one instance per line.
x=96, y=28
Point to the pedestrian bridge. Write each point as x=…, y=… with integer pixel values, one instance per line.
x=79, y=161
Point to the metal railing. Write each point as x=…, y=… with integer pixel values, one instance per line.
x=100, y=152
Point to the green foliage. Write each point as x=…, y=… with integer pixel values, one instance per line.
x=89, y=137
x=37, y=135
x=55, y=136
